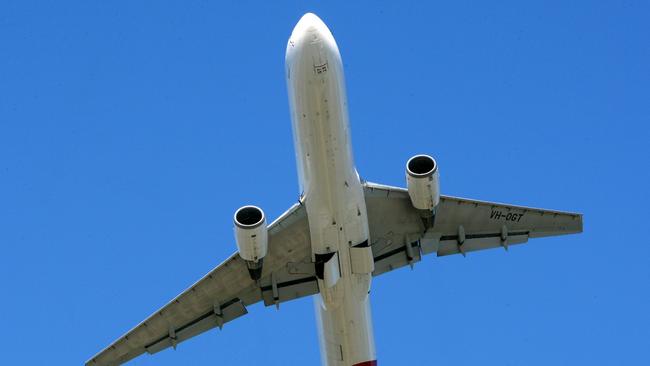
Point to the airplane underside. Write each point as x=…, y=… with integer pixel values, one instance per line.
x=341, y=234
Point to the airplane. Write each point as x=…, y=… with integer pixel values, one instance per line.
x=342, y=232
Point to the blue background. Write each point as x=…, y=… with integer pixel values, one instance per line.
x=130, y=131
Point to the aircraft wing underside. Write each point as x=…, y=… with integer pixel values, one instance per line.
x=223, y=294
x=398, y=236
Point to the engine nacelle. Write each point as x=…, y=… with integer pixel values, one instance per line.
x=252, y=238
x=423, y=182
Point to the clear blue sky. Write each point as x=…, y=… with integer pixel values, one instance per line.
x=130, y=131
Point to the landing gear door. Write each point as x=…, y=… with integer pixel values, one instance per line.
x=361, y=260
x=332, y=271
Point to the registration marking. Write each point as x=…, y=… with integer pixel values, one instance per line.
x=509, y=216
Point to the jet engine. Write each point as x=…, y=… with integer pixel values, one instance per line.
x=252, y=238
x=423, y=182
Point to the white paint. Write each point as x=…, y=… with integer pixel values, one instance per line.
x=333, y=195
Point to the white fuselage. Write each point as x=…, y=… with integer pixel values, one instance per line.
x=332, y=194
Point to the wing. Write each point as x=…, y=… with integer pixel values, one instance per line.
x=223, y=294
x=399, y=236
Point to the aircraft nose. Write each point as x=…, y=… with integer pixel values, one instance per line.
x=311, y=37
x=309, y=22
